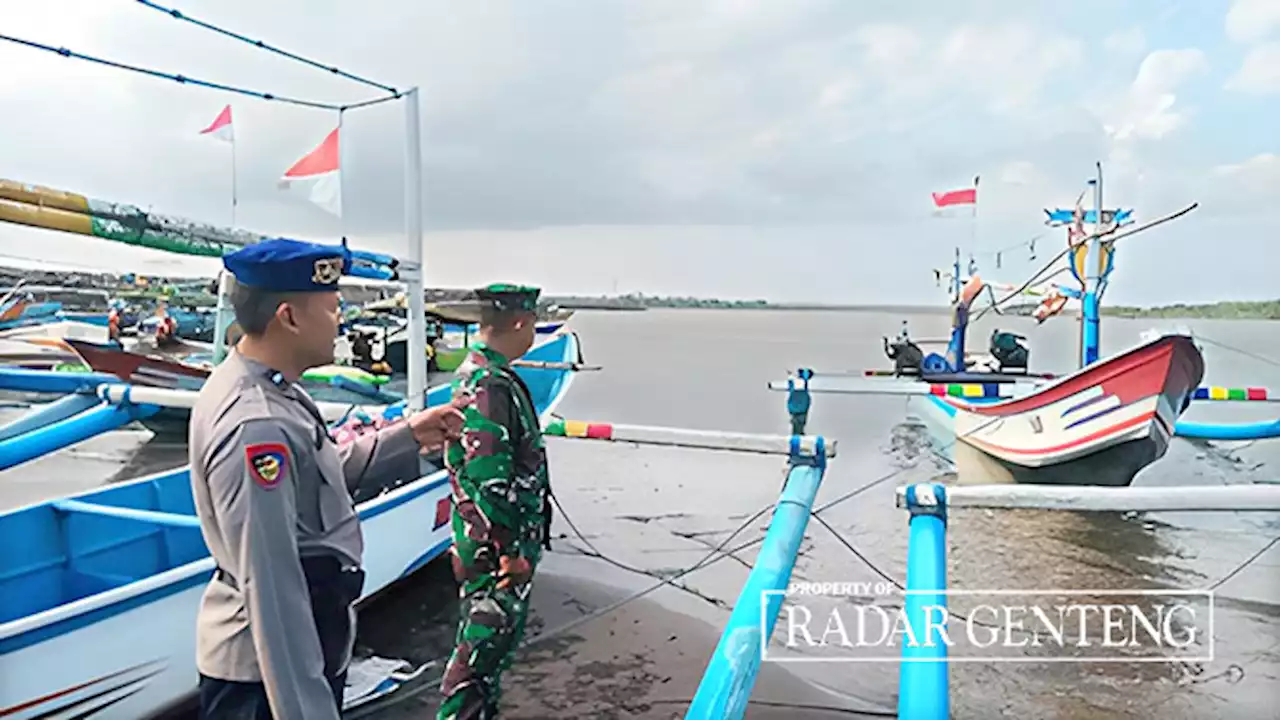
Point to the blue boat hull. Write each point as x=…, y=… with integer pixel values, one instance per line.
x=99, y=591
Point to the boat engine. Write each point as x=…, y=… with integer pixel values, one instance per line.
x=905, y=354
x=1009, y=350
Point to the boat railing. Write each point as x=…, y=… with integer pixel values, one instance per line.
x=923, y=676
x=731, y=672
x=154, y=517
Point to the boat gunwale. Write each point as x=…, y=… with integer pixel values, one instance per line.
x=992, y=409
x=11, y=632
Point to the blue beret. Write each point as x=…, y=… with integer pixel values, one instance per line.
x=284, y=265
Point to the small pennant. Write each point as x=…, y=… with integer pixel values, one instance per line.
x=267, y=463
x=444, y=511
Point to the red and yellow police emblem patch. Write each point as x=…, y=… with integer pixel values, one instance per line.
x=267, y=463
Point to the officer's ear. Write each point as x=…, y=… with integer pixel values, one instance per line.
x=287, y=314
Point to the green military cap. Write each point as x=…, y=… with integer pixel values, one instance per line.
x=505, y=296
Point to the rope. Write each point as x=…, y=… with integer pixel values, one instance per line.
x=710, y=558
x=184, y=80
x=1260, y=358
x=1114, y=236
x=178, y=15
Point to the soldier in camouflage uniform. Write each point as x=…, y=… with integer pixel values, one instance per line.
x=501, y=516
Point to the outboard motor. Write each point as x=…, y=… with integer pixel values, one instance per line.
x=905, y=354
x=1010, y=350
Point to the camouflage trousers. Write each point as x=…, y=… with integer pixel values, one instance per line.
x=489, y=633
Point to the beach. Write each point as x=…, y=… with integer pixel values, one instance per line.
x=661, y=510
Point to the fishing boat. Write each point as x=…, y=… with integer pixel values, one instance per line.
x=175, y=370
x=379, y=333
x=81, y=575
x=1001, y=422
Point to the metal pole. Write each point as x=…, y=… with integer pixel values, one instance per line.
x=222, y=318
x=343, y=225
x=417, y=340
x=234, y=199
x=1089, y=349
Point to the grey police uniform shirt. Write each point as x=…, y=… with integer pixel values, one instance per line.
x=260, y=625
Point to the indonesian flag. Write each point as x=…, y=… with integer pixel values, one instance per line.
x=221, y=127
x=316, y=177
x=967, y=196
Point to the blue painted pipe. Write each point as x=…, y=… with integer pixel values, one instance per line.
x=375, y=258
x=1089, y=337
x=1265, y=430
x=371, y=272
x=46, y=381
x=104, y=418
x=922, y=677
x=731, y=673
x=48, y=414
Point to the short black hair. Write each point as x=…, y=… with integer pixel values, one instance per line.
x=500, y=319
x=253, y=307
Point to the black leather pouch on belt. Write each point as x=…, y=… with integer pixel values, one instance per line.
x=332, y=590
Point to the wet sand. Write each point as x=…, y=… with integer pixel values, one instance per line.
x=641, y=660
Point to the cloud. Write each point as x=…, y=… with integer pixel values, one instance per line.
x=1147, y=111
x=1252, y=20
x=753, y=124
x=1126, y=42
x=1259, y=74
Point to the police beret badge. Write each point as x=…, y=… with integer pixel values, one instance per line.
x=327, y=271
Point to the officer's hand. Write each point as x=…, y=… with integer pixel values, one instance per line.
x=434, y=426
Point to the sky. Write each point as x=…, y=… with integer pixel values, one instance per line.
x=730, y=148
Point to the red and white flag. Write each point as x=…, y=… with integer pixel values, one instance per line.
x=316, y=177
x=967, y=196
x=221, y=127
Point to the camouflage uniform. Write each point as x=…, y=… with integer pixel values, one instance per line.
x=501, y=518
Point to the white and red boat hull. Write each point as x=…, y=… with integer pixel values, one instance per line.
x=1097, y=426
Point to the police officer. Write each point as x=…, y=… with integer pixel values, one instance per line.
x=276, y=624
x=501, y=519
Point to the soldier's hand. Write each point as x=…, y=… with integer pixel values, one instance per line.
x=513, y=570
x=435, y=426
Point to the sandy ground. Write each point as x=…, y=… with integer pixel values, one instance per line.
x=641, y=660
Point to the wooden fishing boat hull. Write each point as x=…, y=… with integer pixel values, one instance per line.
x=21, y=353
x=83, y=655
x=158, y=371
x=1097, y=426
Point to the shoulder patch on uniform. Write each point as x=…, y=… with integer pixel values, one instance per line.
x=267, y=463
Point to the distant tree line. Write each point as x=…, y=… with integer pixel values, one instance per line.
x=1227, y=310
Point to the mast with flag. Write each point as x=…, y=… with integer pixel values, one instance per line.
x=221, y=129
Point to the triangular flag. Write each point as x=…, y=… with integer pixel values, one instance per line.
x=221, y=126
x=316, y=177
